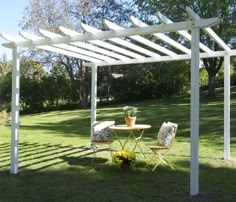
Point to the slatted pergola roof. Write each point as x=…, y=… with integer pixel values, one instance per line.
x=119, y=46
x=124, y=46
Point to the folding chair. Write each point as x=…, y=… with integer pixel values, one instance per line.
x=165, y=139
x=101, y=135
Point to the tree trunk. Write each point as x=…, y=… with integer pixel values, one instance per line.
x=79, y=79
x=83, y=95
x=212, y=66
x=83, y=86
x=211, y=85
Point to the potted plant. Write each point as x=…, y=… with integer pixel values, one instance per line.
x=124, y=159
x=130, y=115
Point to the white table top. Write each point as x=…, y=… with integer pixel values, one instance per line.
x=135, y=127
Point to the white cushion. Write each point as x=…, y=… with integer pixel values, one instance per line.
x=101, y=132
x=165, y=134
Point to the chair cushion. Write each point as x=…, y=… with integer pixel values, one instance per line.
x=101, y=132
x=165, y=134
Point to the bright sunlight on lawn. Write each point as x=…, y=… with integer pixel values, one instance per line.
x=55, y=159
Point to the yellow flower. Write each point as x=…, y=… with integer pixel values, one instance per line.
x=123, y=157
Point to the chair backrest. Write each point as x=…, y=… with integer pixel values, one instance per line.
x=101, y=132
x=175, y=126
x=167, y=134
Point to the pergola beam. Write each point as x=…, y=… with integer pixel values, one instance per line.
x=163, y=58
x=120, y=33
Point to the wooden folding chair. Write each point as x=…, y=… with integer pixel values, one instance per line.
x=101, y=135
x=165, y=139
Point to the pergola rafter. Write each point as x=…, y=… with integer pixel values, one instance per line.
x=119, y=46
x=61, y=49
x=162, y=36
x=142, y=40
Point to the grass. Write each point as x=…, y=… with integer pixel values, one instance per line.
x=55, y=159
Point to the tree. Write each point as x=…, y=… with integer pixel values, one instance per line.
x=5, y=91
x=5, y=66
x=225, y=10
x=31, y=94
x=174, y=80
x=50, y=14
x=233, y=76
x=31, y=68
x=152, y=81
x=5, y=83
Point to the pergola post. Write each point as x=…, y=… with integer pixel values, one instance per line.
x=227, y=107
x=93, y=98
x=194, y=128
x=15, y=107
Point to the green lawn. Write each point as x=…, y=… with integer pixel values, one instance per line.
x=55, y=159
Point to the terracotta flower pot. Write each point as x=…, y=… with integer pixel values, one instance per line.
x=130, y=121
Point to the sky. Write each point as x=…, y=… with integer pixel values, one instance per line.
x=11, y=13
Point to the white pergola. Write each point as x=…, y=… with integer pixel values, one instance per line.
x=116, y=47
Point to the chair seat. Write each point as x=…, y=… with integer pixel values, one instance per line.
x=101, y=142
x=156, y=146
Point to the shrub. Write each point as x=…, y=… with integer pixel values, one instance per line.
x=5, y=118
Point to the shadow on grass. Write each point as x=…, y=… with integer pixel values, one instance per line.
x=51, y=172
x=38, y=156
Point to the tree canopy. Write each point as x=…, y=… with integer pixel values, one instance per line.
x=226, y=29
x=50, y=14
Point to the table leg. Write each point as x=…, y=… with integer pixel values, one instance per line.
x=137, y=141
x=130, y=134
x=117, y=137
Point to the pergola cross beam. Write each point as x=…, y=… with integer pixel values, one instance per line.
x=119, y=33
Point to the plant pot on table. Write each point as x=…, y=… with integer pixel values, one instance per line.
x=130, y=121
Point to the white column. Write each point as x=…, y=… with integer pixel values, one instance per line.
x=227, y=107
x=93, y=97
x=194, y=128
x=15, y=107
